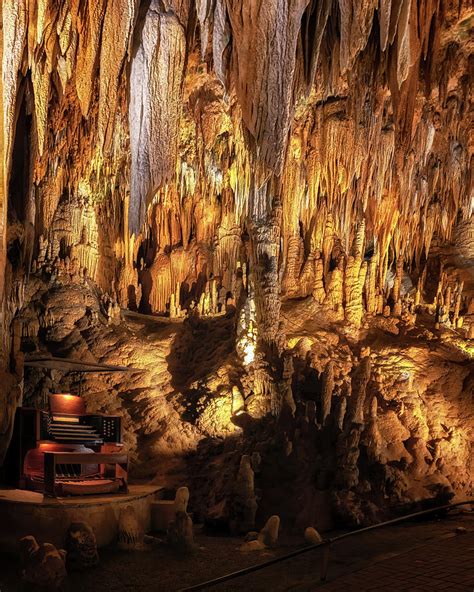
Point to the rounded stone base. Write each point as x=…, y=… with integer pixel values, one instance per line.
x=25, y=513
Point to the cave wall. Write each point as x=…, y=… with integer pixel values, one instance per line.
x=230, y=154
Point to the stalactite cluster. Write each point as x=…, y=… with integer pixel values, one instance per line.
x=123, y=98
x=256, y=160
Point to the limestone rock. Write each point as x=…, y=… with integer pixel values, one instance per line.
x=180, y=532
x=81, y=547
x=244, y=503
x=43, y=566
x=130, y=533
x=269, y=533
x=312, y=536
x=181, y=500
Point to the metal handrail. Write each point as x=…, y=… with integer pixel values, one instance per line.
x=325, y=544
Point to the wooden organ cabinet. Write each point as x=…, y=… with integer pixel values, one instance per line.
x=66, y=451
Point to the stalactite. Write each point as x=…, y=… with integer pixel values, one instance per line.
x=307, y=276
x=204, y=14
x=328, y=242
x=457, y=304
x=384, y=9
x=372, y=436
x=220, y=39
x=314, y=26
x=88, y=53
x=162, y=285
x=356, y=22
x=41, y=79
x=397, y=280
x=290, y=285
x=14, y=23
x=155, y=93
x=266, y=109
x=68, y=39
x=117, y=30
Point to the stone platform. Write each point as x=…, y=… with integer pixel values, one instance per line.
x=29, y=513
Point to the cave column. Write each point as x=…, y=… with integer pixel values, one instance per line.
x=265, y=237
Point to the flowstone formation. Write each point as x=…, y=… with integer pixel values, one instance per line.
x=266, y=209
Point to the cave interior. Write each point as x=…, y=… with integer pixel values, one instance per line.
x=242, y=231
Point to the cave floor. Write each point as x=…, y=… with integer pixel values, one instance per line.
x=417, y=556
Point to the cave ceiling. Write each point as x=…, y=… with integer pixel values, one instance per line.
x=317, y=138
x=160, y=112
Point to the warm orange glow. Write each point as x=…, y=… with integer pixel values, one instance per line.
x=66, y=403
x=65, y=418
x=52, y=446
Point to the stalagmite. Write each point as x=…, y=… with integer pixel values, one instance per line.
x=130, y=534
x=244, y=502
x=359, y=390
x=335, y=287
x=266, y=245
x=312, y=536
x=269, y=533
x=319, y=293
x=180, y=533
x=81, y=547
x=43, y=565
x=181, y=500
x=354, y=280
x=327, y=390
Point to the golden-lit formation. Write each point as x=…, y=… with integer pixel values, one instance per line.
x=265, y=207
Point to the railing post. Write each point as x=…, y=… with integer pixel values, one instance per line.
x=325, y=560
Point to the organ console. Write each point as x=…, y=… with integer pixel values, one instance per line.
x=63, y=450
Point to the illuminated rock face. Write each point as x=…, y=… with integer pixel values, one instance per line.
x=293, y=178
